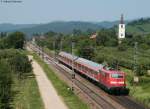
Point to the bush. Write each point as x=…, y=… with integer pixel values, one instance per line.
x=122, y=47
x=144, y=46
x=21, y=64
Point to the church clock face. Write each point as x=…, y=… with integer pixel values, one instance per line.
x=121, y=26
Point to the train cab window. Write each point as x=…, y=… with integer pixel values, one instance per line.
x=116, y=75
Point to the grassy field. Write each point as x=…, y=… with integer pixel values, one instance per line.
x=71, y=100
x=27, y=94
x=141, y=91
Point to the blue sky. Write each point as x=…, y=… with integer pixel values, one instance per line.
x=43, y=11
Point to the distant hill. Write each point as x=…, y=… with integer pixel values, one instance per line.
x=108, y=24
x=5, y=27
x=140, y=26
x=63, y=27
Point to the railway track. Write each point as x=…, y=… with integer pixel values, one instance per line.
x=124, y=101
x=127, y=102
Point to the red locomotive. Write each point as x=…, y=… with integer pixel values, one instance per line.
x=110, y=79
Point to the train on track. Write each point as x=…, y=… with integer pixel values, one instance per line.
x=110, y=79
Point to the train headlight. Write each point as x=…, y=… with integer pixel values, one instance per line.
x=115, y=82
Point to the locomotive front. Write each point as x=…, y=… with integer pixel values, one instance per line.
x=117, y=81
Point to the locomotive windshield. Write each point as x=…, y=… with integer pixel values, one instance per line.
x=116, y=75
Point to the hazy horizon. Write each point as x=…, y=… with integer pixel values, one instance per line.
x=70, y=21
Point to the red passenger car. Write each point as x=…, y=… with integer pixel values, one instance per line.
x=108, y=78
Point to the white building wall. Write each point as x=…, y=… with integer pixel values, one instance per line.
x=121, y=33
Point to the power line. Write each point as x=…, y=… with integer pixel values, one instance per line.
x=54, y=49
x=136, y=79
x=61, y=44
x=135, y=57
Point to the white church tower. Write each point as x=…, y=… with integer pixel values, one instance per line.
x=121, y=33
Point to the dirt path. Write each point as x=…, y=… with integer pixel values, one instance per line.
x=49, y=95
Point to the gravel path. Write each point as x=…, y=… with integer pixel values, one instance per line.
x=49, y=95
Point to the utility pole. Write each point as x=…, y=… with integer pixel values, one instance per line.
x=61, y=43
x=54, y=49
x=136, y=79
x=73, y=73
x=42, y=49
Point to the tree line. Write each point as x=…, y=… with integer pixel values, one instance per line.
x=14, y=40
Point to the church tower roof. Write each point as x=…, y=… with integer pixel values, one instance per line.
x=122, y=19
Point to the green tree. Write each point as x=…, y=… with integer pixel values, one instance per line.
x=21, y=64
x=122, y=47
x=76, y=32
x=90, y=31
x=85, y=49
x=102, y=38
x=16, y=40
